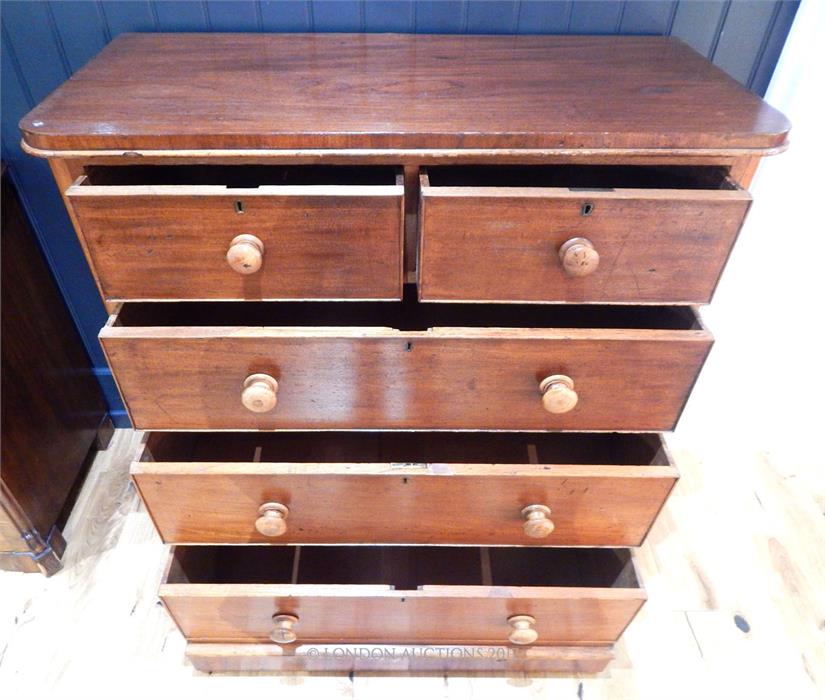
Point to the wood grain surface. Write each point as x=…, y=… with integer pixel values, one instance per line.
x=227, y=91
x=362, y=487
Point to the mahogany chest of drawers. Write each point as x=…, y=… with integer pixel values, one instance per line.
x=410, y=314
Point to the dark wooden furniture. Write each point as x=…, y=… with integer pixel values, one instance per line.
x=375, y=290
x=53, y=412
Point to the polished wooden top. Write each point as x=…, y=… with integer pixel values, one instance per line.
x=385, y=91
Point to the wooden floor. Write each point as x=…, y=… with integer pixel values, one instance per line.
x=734, y=568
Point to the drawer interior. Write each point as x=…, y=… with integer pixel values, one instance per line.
x=585, y=177
x=241, y=176
x=406, y=315
x=404, y=568
x=460, y=448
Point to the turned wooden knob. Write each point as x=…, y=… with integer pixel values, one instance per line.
x=578, y=257
x=537, y=522
x=557, y=394
x=521, y=629
x=260, y=393
x=245, y=254
x=283, y=633
x=272, y=520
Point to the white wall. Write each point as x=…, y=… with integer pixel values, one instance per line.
x=763, y=386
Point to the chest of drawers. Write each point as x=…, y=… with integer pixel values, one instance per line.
x=408, y=313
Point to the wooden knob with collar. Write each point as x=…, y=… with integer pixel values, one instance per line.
x=579, y=257
x=283, y=632
x=245, y=254
x=271, y=520
x=521, y=629
x=260, y=393
x=558, y=394
x=537, y=523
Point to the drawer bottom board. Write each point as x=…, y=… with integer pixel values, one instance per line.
x=406, y=659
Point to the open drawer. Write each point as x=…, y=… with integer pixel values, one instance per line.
x=576, y=233
x=242, y=231
x=412, y=488
x=385, y=366
x=397, y=594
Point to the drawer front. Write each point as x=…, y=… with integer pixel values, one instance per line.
x=166, y=243
x=648, y=246
x=204, y=500
x=626, y=381
x=244, y=613
x=207, y=609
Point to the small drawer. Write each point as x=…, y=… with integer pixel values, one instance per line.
x=565, y=233
x=408, y=366
x=434, y=488
x=242, y=231
x=521, y=596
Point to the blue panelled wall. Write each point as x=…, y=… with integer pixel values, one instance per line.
x=43, y=43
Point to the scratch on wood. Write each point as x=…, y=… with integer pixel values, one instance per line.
x=784, y=565
x=807, y=668
x=695, y=638
x=710, y=600
x=157, y=404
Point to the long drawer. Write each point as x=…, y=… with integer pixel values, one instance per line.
x=242, y=232
x=615, y=234
x=374, y=594
x=385, y=366
x=430, y=488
